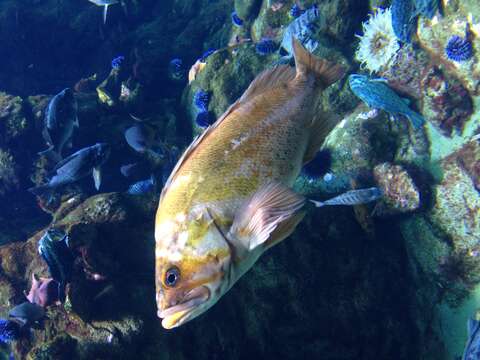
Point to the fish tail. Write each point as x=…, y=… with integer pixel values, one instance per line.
x=325, y=72
x=416, y=119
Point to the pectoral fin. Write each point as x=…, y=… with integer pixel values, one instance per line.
x=263, y=213
x=97, y=177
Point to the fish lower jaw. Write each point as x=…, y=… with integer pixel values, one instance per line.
x=176, y=315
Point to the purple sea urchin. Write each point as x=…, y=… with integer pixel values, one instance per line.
x=265, y=46
x=458, y=48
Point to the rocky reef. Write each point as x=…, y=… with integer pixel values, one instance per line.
x=377, y=280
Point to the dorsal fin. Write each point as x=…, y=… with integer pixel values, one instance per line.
x=268, y=79
x=324, y=71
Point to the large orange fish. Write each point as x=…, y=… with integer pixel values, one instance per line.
x=228, y=198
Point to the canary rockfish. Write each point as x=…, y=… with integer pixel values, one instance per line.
x=228, y=198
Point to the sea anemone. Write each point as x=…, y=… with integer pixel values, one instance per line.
x=117, y=62
x=378, y=44
x=458, y=48
x=265, y=46
x=201, y=100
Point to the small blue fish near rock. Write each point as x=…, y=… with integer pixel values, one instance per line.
x=378, y=95
x=27, y=313
x=302, y=28
x=295, y=11
x=60, y=121
x=404, y=19
x=352, y=197
x=9, y=331
x=472, y=349
x=105, y=4
x=84, y=162
x=53, y=248
x=142, y=187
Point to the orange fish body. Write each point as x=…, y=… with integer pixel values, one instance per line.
x=228, y=198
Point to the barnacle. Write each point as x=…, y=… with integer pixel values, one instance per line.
x=378, y=44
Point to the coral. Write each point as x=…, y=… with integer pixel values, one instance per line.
x=9, y=179
x=13, y=121
x=378, y=44
x=458, y=48
x=446, y=102
x=400, y=194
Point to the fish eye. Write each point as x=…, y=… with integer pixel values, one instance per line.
x=172, y=276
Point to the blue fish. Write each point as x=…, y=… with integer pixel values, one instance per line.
x=404, y=19
x=427, y=8
x=53, y=248
x=9, y=331
x=105, y=4
x=84, y=162
x=378, y=95
x=142, y=187
x=302, y=28
x=472, y=349
x=60, y=121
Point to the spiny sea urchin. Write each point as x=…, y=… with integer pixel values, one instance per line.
x=378, y=44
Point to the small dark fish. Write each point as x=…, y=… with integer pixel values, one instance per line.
x=27, y=313
x=472, y=349
x=352, y=197
x=59, y=123
x=142, y=187
x=9, y=331
x=427, y=8
x=141, y=138
x=378, y=95
x=53, y=248
x=404, y=19
x=77, y=166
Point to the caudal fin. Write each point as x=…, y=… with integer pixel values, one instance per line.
x=324, y=71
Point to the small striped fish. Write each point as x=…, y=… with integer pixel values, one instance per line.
x=352, y=197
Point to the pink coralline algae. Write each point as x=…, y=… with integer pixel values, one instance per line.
x=446, y=103
x=400, y=194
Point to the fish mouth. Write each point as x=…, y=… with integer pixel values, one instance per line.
x=178, y=314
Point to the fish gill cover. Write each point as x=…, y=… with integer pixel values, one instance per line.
x=96, y=112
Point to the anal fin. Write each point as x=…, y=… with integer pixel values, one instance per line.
x=285, y=229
